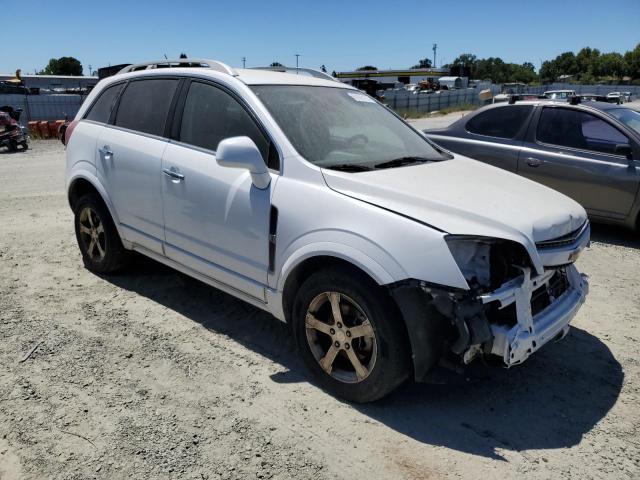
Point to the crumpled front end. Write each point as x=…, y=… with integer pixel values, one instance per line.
x=543, y=306
x=509, y=311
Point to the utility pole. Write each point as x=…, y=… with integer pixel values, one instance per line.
x=297, y=57
x=244, y=62
x=89, y=70
x=435, y=47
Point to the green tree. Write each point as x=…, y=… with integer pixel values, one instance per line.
x=611, y=65
x=587, y=62
x=63, y=66
x=632, y=62
x=423, y=63
x=366, y=67
x=276, y=64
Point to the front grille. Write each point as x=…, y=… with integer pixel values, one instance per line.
x=568, y=239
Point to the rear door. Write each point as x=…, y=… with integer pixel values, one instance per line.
x=572, y=150
x=493, y=136
x=130, y=157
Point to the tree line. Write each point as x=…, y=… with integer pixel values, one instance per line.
x=589, y=65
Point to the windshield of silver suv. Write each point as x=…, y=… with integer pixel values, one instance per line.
x=344, y=129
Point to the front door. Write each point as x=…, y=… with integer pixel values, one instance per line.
x=216, y=221
x=573, y=151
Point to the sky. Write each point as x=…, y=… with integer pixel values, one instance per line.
x=342, y=35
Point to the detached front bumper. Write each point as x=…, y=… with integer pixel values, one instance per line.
x=515, y=343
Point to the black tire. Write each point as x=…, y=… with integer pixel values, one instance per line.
x=108, y=255
x=25, y=145
x=13, y=145
x=361, y=296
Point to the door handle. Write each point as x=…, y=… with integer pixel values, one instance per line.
x=106, y=152
x=174, y=175
x=534, y=162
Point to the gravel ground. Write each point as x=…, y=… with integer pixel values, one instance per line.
x=150, y=374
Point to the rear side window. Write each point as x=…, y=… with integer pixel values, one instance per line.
x=101, y=109
x=577, y=129
x=501, y=122
x=210, y=115
x=145, y=104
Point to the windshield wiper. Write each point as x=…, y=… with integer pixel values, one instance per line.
x=349, y=167
x=398, y=162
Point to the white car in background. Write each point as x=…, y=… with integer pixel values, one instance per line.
x=559, y=94
x=308, y=199
x=615, y=97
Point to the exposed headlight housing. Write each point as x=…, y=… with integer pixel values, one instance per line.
x=485, y=262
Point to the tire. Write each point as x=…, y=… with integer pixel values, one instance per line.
x=13, y=145
x=25, y=145
x=98, y=239
x=381, y=346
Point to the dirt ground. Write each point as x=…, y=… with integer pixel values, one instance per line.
x=150, y=374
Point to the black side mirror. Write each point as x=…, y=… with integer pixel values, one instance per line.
x=624, y=150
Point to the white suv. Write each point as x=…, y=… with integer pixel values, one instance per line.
x=307, y=198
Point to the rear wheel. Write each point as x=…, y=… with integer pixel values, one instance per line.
x=350, y=335
x=98, y=239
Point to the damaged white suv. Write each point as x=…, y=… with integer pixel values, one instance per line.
x=308, y=199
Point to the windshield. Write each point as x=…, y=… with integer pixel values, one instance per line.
x=629, y=117
x=343, y=128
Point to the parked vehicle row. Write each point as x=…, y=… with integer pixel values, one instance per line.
x=305, y=197
x=588, y=151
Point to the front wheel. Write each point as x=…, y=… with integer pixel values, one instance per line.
x=350, y=335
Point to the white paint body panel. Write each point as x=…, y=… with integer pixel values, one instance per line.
x=466, y=197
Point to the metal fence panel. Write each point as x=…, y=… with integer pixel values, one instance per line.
x=44, y=107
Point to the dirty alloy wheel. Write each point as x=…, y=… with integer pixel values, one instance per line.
x=335, y=324
x=350, y=335
x=98, y=239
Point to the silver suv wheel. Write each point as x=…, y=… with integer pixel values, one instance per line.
x=341, y=337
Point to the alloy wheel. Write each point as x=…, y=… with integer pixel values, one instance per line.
x=341, y=337
x=92, y=234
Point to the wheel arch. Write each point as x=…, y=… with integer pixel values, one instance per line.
x=82, y=184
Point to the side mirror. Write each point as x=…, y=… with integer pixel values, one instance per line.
x=624, y=150
x=241, y=152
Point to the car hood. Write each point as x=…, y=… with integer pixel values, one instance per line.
x=466, y=197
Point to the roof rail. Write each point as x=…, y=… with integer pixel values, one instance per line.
x=181, y=62
x=305, y=71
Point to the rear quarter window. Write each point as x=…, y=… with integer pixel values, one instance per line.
x=145, y=104
x=101, y=109
x=501, y=122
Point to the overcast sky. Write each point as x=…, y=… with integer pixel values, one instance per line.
x=339, y=34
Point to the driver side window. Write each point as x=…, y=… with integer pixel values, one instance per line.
x=211, y=115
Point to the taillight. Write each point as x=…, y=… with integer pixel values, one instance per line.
x=66, y=131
